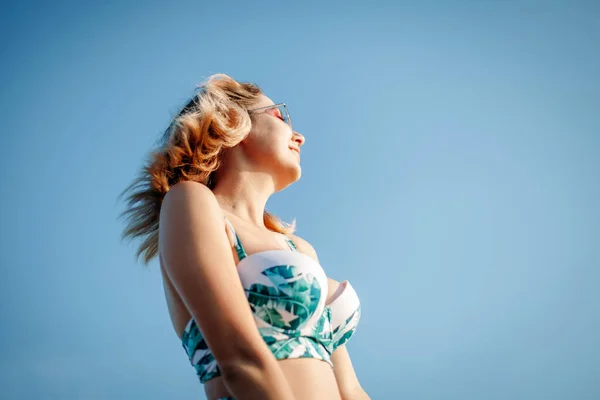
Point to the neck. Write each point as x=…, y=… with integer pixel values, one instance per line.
x=245, y=195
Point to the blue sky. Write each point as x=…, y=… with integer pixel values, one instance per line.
x=451, y=173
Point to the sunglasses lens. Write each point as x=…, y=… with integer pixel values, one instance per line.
x=285, y=114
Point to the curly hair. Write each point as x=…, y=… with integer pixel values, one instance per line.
x=215, y=118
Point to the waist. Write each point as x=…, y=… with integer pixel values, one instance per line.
x=308, y=378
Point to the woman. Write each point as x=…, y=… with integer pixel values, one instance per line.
x=228, y=266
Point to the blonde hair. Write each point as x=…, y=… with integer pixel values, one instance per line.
x=215, y=119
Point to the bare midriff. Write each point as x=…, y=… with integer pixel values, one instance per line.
x=308, y=378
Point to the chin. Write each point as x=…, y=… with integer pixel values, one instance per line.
x=288, y=175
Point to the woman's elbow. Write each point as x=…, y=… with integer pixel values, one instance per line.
x=249, y=364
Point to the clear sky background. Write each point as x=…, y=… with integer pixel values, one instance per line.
x=451, y=173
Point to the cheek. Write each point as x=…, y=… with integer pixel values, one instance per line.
x=271, y=141
x=260, y=147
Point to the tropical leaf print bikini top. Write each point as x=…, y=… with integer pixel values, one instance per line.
x=286, y=290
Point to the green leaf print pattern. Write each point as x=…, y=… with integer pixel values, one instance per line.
x=199, y=354
x=312, y=342
x=288, y=301
x=285, y=303
x=342, y=333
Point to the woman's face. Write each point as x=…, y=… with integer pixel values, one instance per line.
x=272, y=146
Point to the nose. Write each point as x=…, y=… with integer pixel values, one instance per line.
x=298, y=138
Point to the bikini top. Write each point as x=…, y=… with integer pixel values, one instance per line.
x=286, y=291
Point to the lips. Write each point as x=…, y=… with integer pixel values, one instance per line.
x=295, y=151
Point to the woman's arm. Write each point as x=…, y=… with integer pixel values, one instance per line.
x=345, y=376
x=197, y=258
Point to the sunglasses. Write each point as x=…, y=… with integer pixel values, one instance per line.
x=283, y=112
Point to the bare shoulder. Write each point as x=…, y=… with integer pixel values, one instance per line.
x=190, y=191
x=306, y=248
x=189, y=216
